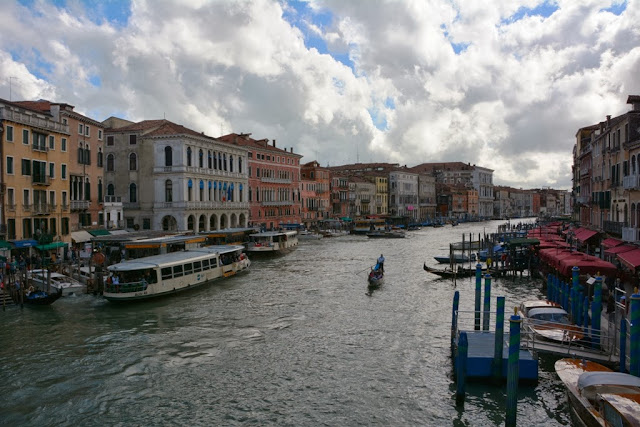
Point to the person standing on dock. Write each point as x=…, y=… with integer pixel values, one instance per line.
x=381, y=263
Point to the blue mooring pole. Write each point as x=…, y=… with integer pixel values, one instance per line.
x=634, y=353
x=461, y=368
x=623, y=343
x=454, y=318
x=575, y=278
x=499, y=339
x=512, y=370
x=549, y=287
x=596, y=313
x=487, y=302
x=478, y=295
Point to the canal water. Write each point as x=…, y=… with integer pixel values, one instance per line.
x=295, y=342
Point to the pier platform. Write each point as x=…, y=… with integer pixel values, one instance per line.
x=481, y=347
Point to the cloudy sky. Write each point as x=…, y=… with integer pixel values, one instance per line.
x=503, y=84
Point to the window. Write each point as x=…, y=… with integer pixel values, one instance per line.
x=146, y=223
x=133, y=197
x=239, y=165
x=230, y=163
x=111, y=190
x=25, y=197
x=26, y=167
x=84, y=154
x=168, y=191
x=11, y=198
x=133, y=139
x=52, y=170
x=100, y=157
x=133, y=162
x=200, y=159
x=197, y=266
x=188, y=156
x=213, y=262
x=25, y=137
x=65, y=226
x=99, y=190
x=64, y=199
x=209, y=160
x=110, y=140
x=110, y=162
x=168, y=156
x=188, y=268
x=100, y=134
x=205, y=264
x=166, y=273
x=9, y=133
x=39, y=172
x=177, y=271
x=63, y=171
x=63, y=144
x=39, y=141
x=80, y=128
x=52, y=142
x=10, y=165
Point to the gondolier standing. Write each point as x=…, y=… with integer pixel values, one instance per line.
x=381, y=263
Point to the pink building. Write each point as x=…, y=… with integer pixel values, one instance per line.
x=274, y=181
x=315, y=193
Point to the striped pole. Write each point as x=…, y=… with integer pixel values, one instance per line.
x=478, y=294
x=499, y=339
x=454, y=318
x=623, y=344
x=487, y=302
x=512, y=370
x=461, y=368
x=596, y=313
x=634, y=353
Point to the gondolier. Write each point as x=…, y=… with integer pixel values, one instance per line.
x=381, y=263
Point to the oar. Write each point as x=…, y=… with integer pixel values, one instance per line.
x=368, y=268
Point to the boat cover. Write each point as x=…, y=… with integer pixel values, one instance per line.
x=589, y=379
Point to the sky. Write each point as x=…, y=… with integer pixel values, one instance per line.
x=502, y=84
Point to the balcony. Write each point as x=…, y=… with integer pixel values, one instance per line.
x=583, y=200
x=277, y=203
x=26, y=207
x=11, y=207
x=40, y=148
x=630, y=234
x=40, y=180
x=112, y=199
x=275, y=180
x=79, y=205
x=32, y=120
x=613, y=227
x=40, y=209
x=631, y=182
x=64, y=207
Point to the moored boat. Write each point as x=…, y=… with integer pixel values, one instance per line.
x=457, y=258
x=309, y=235
x=44, y=279
x=448, y=273
x=159, y=275
x=393, y=234
x=599, y=396
x=550, y=321
x=37, y=297
x=272, y=242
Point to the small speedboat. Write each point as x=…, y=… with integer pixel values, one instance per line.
x=550, y=321
x=457, y=258
x=45, y=279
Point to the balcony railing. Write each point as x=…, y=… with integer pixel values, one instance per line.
x=40, y=180
x=78, y=205
x=613, y=227
x=630, y=234
x=41, y=209
x=631, y=182
x=275, y=180
x=584, y=200
x=278, y=203
x=33, y=120
x=112, y=199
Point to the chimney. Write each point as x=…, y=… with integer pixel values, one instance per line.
x=608, y=120
x=274, y=142
x=292, y=149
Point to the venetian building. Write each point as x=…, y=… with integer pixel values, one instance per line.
x=173, y=178
x=274, y=181
x=403, y=193
x=35, y=153
x=315, y=182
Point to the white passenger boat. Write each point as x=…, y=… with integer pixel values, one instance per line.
x=57, y=282
x=272, y=242
x=164, y=274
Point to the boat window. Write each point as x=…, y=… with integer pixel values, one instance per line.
x=214, y=262
x=205, y=264
x=177, y=271
x=197, y=266
x=166, y=273
x=188, y=268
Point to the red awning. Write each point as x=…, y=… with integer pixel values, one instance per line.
x=631, y=259
x=611, y=242
x=586, y=235
x=589, y=264
x=620, y=249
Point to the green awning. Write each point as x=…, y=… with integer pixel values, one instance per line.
x=5, y=245
x=99, y=232
x=49, y=246
x=346, y=219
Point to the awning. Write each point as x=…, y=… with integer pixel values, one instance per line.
x=50, y=246
x=586, y=235
x=619, y=249
x=24, y=243
x=5, y=245
x=611, y=242
x=114, y=232
x=99, y=232
x=631, y=259
x=80, y=236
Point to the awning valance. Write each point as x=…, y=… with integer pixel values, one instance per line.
x=631, y=259
x=99, y=232
x=24, y=243
x=50, y=246
x=586, y=235
x=611, y=242
x=5, y=245
x=80, y=236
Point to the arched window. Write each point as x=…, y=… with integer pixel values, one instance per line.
x=224, y=162
x=168, y=156
x=190, y=190
x=110, y=163
x=99, y=190
x=200, y=159
x=87, y=189
x=633, y=165
x=215, y=160
x=201, y=190
x=239, y=164
x=219, y=161
x=133, y=162
x=100, y=159
x=230, y=163
x=168, y=191
x=209, y=160
x=111, y=190
x=188, y=156
x=133, y=193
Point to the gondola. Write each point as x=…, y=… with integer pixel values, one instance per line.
x=37, y=297
x=449, y=274
x=376, y=277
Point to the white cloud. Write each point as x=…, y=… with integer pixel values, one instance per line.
x=511, y=101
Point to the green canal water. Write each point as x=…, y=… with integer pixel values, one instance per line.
x=295, y=342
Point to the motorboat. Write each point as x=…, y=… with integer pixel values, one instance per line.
x=392, y=234
x=599, y=396
x=309, y=235
x=272, y=242
x=550, y=321
x=45, y=279
x=457, y=258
